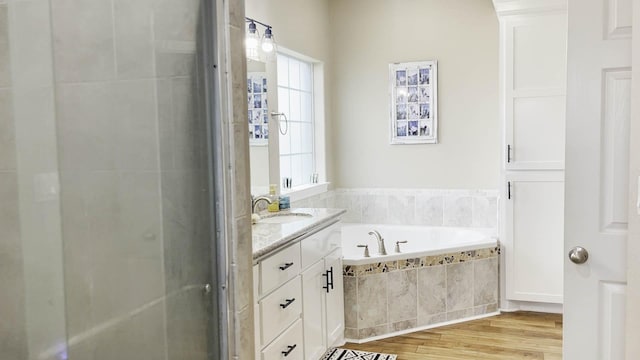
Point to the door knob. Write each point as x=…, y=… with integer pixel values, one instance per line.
x=579, y=255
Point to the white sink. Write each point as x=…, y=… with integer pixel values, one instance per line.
x=283, y=218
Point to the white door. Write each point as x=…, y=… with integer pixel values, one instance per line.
x=597, y=177
x=633, y=247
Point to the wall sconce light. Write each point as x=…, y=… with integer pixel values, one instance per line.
x=268, y=44
x=267, y=41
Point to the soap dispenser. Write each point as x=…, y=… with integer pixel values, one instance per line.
x=274, y=206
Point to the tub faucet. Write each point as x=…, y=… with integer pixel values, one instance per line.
x=366, y=250
x=398, y=245
x=381, y=248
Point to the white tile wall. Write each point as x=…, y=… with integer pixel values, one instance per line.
x=427, y=207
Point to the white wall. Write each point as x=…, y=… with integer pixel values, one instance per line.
x=259, y=158
x=462, y=35
x=357, y=39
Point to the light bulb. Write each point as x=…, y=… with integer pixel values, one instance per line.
x=267, y=45
x=267, y=42
x=251, y=41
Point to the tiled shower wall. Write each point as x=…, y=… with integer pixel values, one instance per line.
x=387, y=297
x=134, y=176
x=455, y=208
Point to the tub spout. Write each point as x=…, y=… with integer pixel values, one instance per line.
x=381, y=248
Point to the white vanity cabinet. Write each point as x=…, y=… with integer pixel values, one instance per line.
x=533, y=56
x=322, y=289
x=299, y=311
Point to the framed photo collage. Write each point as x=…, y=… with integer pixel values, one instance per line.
x=258, y=113
x=414, y=102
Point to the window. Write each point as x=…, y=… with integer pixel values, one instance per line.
x=296, y=100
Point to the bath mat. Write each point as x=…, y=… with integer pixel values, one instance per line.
x=346, y=354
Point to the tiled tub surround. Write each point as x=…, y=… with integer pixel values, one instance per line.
x=427, y=207
x=415, y=293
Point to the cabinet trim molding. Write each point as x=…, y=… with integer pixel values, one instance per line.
x=519, y=7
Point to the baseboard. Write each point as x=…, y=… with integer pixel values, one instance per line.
x=420, y=328
x=533, y=306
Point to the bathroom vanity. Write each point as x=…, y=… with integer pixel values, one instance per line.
x=297, y=279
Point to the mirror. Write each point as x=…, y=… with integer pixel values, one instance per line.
x=258, y=95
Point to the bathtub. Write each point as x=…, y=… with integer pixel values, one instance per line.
x=440, y=276
x=421, y=241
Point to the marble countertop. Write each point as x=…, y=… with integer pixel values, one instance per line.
x=270, y=237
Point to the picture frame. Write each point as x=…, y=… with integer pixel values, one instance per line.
x=413, y=89
x=258, y=117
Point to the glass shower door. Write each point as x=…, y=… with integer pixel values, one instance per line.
x=108, y=240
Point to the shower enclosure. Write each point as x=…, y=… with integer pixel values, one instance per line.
x=107, y=226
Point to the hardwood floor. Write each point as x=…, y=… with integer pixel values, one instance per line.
x=519, y=335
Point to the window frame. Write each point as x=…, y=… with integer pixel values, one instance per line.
x=300, y=192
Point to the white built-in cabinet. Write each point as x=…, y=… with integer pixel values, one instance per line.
x=533, y=48
x=299, y=310
x=534, y=225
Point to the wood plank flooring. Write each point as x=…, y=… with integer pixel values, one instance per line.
x=519, y=335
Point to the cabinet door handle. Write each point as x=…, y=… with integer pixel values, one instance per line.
x=326, y=275
x=509, y=190
x=331, y=284
x=287, y=303
x=289, y=350
x=329, y=275
x=508, y=153
x=286, y=266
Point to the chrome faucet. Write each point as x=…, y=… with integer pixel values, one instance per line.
x=256, y=200
x=381, y=248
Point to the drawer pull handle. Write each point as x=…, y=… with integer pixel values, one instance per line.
x=286, y=266
x=289, y=302
x=289, y=349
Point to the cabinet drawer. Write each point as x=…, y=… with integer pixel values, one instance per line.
x=279, y=267
x=289, y=343
x=319, y=244
x=280, y=309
